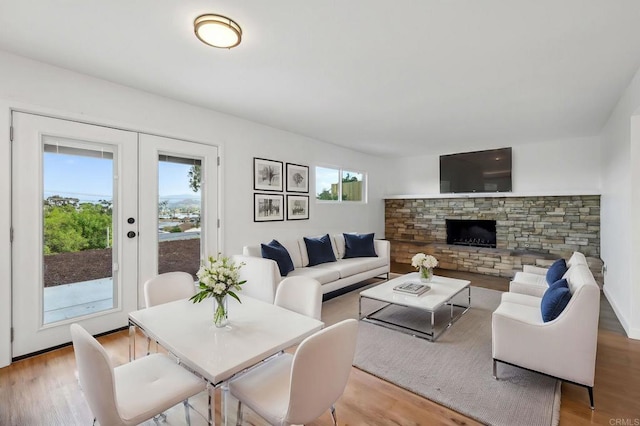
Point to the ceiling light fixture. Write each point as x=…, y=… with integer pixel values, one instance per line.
x=217, y=31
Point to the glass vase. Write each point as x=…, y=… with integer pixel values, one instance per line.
x=426, y=274
x=220, y=311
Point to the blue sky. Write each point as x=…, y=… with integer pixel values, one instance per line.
x=174, y=180
x=324, y=178
x=90, y=179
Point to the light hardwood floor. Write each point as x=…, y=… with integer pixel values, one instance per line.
x=43, y=390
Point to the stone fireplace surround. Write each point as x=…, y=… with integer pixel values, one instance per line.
x=530, y=230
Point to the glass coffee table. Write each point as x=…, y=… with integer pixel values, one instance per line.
x=439, y=297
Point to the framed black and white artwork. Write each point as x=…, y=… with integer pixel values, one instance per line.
x=297, y=178
x=267, y=175
x=297, y=207
x=268, y=207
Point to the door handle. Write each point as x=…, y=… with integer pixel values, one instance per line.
x=131, y=234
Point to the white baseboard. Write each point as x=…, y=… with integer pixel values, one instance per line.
x=632, y=333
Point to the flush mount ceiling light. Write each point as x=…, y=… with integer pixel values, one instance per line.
x=217, y=31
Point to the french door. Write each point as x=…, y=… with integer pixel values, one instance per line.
x=88, y=221
x=179, y=205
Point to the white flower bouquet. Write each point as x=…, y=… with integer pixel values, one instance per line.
x=221, y=277
x=425, y=264
x=421, y=260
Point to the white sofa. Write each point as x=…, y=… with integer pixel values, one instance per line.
x=564, y=348
x=263, y=276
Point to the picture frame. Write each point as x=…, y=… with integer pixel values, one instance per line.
x=268, y=207
x=297, y=207
x=267, y=175
x=297, y=178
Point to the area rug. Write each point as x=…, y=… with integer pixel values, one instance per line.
x=456, y=370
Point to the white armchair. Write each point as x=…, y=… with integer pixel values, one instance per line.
x=564, y=348
x=533, y=279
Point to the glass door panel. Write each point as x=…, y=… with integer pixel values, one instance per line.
x=179, y=207
x=78, y=229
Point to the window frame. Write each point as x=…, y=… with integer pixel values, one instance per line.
x=341, y=171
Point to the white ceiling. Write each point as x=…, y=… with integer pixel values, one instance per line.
x=385, y=77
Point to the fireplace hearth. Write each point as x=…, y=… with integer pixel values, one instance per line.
x=476, y=233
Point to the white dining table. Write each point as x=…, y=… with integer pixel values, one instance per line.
x=256, y=331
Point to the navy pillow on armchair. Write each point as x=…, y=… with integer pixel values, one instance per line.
x=554, y=300
x=319, y=250
x=556, y=271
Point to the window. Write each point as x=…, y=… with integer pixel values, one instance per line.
x=352, y=185
x=339, y=185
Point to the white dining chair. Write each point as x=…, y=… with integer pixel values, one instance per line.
x=298, y=388
x=300, y=294
x=131, y=393
x=261, y=275
x=165, y=288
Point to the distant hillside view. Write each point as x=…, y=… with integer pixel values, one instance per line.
x=179, y=213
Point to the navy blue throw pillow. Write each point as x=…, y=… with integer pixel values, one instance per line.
x=556, y=271
x=554, y=300
x=319, y=250
x=560, y=283
x=359, y=246
x=276, y=251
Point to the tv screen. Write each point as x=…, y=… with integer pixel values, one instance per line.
x=479, y=171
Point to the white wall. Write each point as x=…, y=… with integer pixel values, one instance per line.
x=634, y=284
x=33, y=86
x=343, y=217
x=550, y=167
x=620, y=203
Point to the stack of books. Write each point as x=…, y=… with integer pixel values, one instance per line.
x=411, y=288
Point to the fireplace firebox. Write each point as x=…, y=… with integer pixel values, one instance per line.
x=477, y=233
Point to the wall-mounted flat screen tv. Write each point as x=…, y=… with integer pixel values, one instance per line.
x=479, y=171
